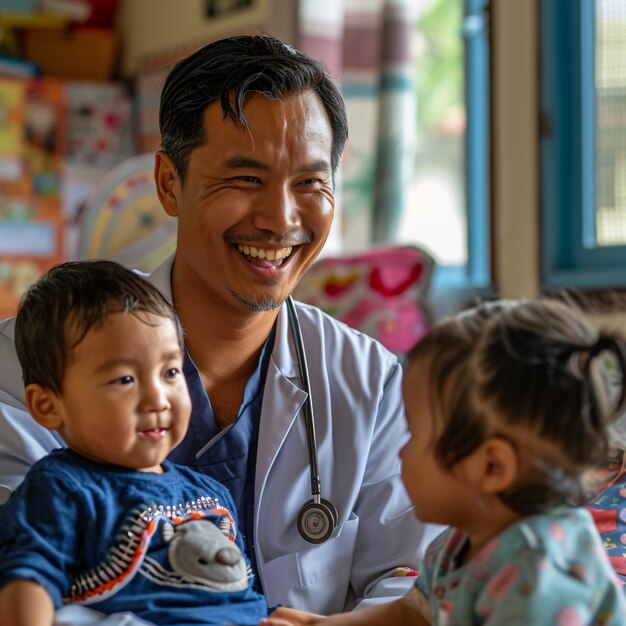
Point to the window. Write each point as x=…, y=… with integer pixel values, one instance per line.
x=448, y=202
x=583, y=143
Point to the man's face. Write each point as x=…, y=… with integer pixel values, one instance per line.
x=256, y=205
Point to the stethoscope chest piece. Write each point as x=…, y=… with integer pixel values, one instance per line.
x=317, y=521
x=318, y=518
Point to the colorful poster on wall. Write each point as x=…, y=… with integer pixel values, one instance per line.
x=31, y=159
x=31, y=240
x=44, y=135
x=99, y=124
x=11, y=124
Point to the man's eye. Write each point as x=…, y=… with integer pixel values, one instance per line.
x=249, y=179
x=310, y=181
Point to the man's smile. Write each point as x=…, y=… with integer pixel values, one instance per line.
x=265, y=258
x=265, y=253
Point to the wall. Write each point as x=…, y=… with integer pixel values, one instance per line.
x=158, y=27
x=515, y=148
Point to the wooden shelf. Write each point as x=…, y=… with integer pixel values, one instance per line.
x=32, y=20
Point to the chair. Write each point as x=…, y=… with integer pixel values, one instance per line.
x=380, y=292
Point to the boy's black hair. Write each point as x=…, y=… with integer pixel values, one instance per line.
x=57, y=312
x=227, y=70
x=508, y=368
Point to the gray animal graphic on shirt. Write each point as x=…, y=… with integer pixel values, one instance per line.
x=201, y=551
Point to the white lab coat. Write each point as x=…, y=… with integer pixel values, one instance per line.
x=360, y=427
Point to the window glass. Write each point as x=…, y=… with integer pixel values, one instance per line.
x=610, y=102
x=436, y=216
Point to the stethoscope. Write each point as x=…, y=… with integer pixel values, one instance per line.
x=318, y=517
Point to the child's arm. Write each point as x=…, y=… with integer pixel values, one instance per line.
x=25, y=603
x=411, y=609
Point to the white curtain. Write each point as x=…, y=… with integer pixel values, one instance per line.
x=366, y=46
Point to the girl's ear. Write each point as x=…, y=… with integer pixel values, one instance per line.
x=497, y=465
x=166, y=178
x=44, y=405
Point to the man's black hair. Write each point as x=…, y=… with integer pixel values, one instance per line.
x=229, y=69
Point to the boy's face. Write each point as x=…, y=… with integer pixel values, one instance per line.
x=439, y=495
x=125, y=400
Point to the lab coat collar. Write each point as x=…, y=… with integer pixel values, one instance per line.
x=12, y=392
x=284, y=353
x=161, y=278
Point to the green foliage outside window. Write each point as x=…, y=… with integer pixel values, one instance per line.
x=440, y=64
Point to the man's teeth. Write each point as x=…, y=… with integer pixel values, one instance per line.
x=263, y=253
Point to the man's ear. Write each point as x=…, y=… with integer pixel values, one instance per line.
x=497, y=465
x=166, y=179
x=43, y=404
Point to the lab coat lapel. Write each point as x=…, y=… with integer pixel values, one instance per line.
x=282, y=400
x=12, y=392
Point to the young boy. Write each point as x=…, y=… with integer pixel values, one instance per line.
x=108, y=521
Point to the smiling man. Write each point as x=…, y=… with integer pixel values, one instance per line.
x=252, y=134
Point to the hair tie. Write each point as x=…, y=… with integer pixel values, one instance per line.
x=575, y=363
x=616, y=346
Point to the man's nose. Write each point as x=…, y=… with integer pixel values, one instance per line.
x=278, y=210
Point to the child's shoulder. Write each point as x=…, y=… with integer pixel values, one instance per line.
x=58, y=461
x=53, y=478
x=564, y=538
x=557, y=529
x=548, y=564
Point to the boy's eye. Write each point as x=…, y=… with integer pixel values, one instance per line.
x=172, y=372
x=123, y=380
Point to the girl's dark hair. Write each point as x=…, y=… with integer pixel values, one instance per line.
x=534, y=373
x=57, y=312
x=227, y=70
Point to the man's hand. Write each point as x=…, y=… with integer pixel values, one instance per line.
x=291, y=617
x=412, y=609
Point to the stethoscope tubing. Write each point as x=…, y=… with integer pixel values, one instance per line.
x=309, y=418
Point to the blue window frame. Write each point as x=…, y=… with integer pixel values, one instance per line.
x=475, y=30
x=476, y=273
x=571, y=257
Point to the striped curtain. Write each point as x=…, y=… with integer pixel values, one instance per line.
x=366, y=46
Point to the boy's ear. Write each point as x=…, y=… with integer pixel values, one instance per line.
x=43, y=405
x=497, y=465
x=166, y=178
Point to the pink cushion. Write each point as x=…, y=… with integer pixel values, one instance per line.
x=380, y=292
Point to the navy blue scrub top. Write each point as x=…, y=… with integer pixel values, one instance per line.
x=228, y=456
